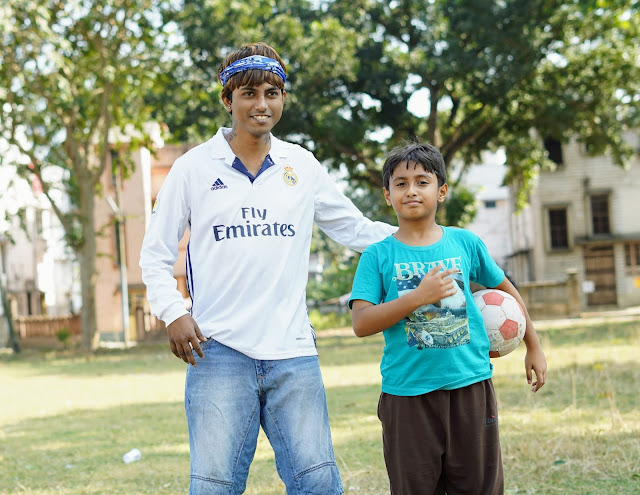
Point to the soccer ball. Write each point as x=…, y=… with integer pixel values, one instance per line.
x=503, y=319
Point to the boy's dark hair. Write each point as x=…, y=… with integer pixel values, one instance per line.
x=251, y=77
x=423, y=154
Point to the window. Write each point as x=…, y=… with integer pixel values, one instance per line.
x=490, y=203
x=554, y=148
x=558, y=228
x=30, y=310
x=632, y=256
x=600, y=214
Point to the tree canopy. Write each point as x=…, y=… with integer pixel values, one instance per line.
x=466, y=75
x=487, y=74
x=70, y=72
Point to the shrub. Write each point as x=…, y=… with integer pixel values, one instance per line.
x=325, y=321
x=64, y=336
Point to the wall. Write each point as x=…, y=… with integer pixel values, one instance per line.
x=570, y=185
x=137, y=195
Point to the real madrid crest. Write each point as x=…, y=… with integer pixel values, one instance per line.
x=289, y=176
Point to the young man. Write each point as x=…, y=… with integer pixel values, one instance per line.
x=250, y=201
x=437, y=407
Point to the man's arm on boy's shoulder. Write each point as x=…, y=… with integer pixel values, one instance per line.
x=535, y=359
x=341, y=220
x=369, y=319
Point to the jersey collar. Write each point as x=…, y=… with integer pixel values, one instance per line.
x=221, y=150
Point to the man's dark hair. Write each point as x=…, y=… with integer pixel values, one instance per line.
x=252, y=77
x=424, y=154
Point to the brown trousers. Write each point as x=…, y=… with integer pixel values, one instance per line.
x=445, y=441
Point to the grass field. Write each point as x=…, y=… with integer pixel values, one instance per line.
x=66, y=419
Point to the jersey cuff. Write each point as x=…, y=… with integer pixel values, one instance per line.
x=173, y=312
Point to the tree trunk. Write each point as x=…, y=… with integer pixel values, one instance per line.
x=87, y=258
x=6, y=307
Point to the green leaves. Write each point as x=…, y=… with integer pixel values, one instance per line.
x=70, y=73
x=490, y=72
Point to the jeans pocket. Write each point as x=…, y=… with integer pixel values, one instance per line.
x=207, y=344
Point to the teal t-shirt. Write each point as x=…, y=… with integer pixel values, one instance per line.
x=440, y=346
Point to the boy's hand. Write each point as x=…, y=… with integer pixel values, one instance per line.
x=535, y=361
x=184, y=338
x=436, y=285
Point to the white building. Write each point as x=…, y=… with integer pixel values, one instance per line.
x=37, y=267
x=583, y=216
x=491, y=222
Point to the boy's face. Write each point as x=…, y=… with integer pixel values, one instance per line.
x=256, y=110
x=414, y=193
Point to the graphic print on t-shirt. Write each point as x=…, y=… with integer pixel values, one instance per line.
x=440, y=325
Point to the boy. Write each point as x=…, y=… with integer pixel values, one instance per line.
x=250, y=201
x=437, y=407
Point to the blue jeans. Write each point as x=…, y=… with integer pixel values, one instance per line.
x=228, y=396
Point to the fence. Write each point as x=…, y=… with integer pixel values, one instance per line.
x=542, y=299
x=46, y=326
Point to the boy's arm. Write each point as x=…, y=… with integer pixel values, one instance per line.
x=534, y=359
x=369, y=319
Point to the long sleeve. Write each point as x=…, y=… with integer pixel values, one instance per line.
x=339, y=218
x=169, y=219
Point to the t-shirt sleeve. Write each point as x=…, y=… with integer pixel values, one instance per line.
x=485, y=270
x=367, y=283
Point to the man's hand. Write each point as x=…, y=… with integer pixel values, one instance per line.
x=184, y=338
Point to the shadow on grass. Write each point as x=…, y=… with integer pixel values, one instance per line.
x=334, y=351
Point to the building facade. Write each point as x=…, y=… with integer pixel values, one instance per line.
x=132, y=199
x=583, y=218
x=37, y=267
x=492, y=219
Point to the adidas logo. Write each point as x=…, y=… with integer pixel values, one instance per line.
x=218, y=184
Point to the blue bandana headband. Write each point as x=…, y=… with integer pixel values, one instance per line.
x=253, y=62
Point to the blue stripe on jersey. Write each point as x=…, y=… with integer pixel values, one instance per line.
x=189, y=277
x=239, y=166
